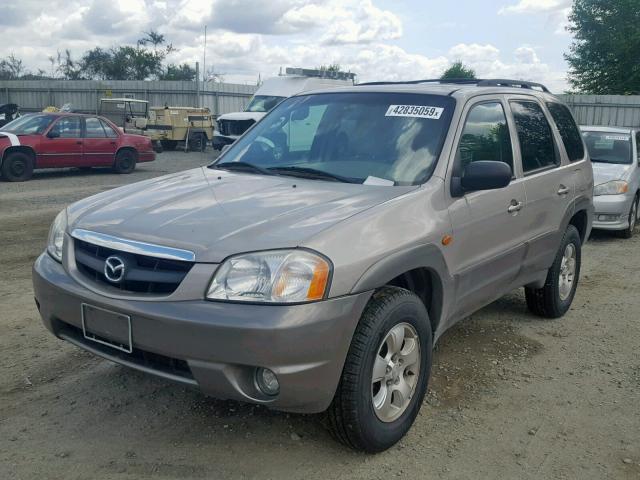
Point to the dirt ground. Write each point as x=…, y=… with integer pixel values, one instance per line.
x=512, y=396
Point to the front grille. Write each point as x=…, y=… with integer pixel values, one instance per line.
x=143, y=274
x=234, y=127
x=153, y=361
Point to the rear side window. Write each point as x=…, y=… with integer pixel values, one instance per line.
x=568, y=131
x=94, y=128
x=485, y=136
x=534, y=133
x=108, y=130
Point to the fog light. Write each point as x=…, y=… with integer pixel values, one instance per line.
x=267, y=381
x=608, y=218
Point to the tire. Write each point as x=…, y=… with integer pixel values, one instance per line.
x=633, y=219
x=125, y=161
x=169, y=145
x=352, y=417
x=17, y=167
x=551, y=301
x=197, y=142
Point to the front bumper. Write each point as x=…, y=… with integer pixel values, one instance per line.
x=220, y=140
x=214, y=345
x=612, y=211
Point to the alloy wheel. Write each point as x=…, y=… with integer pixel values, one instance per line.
x=395, y=372
x=567, y=271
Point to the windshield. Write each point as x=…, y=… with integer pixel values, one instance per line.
x=374, y=138
x=607, y=147
x=28, y=125
x=263, y=103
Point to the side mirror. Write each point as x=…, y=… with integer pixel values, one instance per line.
x=482, y=175
x=53, y=134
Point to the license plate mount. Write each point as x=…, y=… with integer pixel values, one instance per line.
x=106, y=327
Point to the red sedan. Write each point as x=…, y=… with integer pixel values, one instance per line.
x=54, y=140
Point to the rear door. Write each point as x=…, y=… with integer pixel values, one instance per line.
x=100, y=142
x=61, y=146
x=548, y=180
x=489, y=227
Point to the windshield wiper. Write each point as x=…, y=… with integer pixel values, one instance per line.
x=242, y=166
x=308, y=172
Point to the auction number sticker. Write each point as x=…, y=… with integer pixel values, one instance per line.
x=416, y=111
x=624, y=138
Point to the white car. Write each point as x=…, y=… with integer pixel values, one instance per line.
x=616, y=174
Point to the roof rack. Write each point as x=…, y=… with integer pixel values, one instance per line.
x=490, y=82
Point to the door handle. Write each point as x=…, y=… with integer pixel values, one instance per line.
x=514, y=207
x=78, y=143
x=563, y=190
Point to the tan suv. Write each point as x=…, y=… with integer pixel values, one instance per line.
x=314, y=264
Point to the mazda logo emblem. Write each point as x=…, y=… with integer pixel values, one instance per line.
x=114, y=269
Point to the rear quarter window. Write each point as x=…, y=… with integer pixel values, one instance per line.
x=568, y=129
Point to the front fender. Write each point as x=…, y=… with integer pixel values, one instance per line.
x=426, y=256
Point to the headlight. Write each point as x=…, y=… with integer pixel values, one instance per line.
x=56, y=235
x=614, y=187
x=277, y=276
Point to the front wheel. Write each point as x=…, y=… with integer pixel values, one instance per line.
x=386, y=372
x=633, y=219
x=555, y=297
x=17, y=167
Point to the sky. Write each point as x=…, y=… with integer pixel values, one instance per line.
x=377, y=39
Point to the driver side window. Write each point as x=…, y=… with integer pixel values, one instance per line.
x=485, y=136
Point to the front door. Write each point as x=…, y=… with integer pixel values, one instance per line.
x=489, y=227
x=61, y=146
x=100, y=143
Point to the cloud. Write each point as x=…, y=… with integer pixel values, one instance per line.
x=474, y=53
x=526, y=55
x=535, y=6
x=557, y=12
x=251, y=37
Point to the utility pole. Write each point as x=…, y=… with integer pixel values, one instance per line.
x=204, y=57
x=197, y=84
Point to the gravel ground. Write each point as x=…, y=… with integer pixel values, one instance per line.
x=512, y=396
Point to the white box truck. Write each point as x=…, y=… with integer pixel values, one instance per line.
x=231, y=126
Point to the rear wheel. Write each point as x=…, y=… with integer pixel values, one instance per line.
x=169, y=145
x=386, y=372
x=633, y=220
x=17, y=167
x=555, y=297
x=125, y=161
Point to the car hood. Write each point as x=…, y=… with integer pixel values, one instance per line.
x=242, y=116
x=215, y=213
x=606, y=172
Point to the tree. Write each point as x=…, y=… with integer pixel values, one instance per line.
x=179, y=72
x=334, y=67
x=604, y=57
x=458, y=70
x=11, y=68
